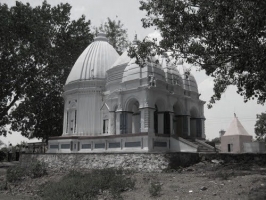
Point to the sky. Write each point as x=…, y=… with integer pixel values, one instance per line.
x=127, y=11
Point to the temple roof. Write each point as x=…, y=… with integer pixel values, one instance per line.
x=236, y=128
x=95, y=60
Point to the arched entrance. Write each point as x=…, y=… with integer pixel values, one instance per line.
x=195, y=123
x=161, y=118
x=180, y=121
x=130, y=118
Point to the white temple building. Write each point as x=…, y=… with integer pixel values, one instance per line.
x=235, y=137
x=114, y=105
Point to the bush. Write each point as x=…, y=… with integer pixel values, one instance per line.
x=78, y=185
x=2, y=155
x=37, y=170
x=155, y=189
x=16, y=173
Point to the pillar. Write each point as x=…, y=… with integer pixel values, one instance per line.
x=112, y=123
x=147, y=120
x=172, y=115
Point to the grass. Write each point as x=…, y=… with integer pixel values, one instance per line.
x=80, y=186
x=155, y=189
x=16, y=173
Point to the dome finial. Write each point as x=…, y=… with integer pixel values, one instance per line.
x=101, y=37
x=135, y=39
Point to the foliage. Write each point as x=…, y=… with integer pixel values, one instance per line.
x=260, y=127
x=35, y=170
x=116, y=34
x=2, y=155
x=15, y=173
x=38, y=47
x=155, y=189
x=216, y=140
x=225, y=38
x=77, y=185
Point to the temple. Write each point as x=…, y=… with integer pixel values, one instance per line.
x=114, y=105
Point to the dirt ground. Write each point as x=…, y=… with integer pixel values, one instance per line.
x=205, y=180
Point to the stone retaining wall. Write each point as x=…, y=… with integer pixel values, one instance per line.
x=147, y=162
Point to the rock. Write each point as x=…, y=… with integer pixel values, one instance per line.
x=190, y=170
x=190, y=191
x=217, y=161
x=214, y=194
x=203, y=188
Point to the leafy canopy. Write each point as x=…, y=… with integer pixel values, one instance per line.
x=38, y=47
x=225, y=38
x=260, y=127
x=116, y=34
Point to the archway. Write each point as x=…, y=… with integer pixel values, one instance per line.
x=130, y=118
x=195, y=123
x=180, y=124
x=161, y=118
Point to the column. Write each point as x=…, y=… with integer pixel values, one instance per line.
x=172, y=115
x=186, y=125
x=112, y=123
x=117, y=124
x=147, y=120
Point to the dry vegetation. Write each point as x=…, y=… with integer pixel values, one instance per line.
x=205, y=180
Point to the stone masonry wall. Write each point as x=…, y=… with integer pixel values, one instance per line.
x=147, y=162
x=136, y=161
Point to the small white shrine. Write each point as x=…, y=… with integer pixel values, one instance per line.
x=235, y=137
x=114, y=105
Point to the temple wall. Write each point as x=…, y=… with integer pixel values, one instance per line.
x=146, y=162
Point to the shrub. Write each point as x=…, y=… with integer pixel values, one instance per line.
x=37, y=169
x=16, y=173
x=77, y=185
x=155, y=189
x=3, y=185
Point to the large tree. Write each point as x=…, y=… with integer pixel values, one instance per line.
x=260, y=127
x=38, y=47
x=116, y=34
x=225, y=38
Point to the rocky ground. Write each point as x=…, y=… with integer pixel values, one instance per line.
x=205, y=180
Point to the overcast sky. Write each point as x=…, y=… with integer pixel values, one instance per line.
x=217, y=118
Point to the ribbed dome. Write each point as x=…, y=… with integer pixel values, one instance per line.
x=172, y=75
x=123, y=59
x=95, y=60
x=135, y=72
x=189, y=81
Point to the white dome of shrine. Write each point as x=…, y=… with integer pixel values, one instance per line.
x=94, y=61
x=134, y=72
x=122, y=60
x=189, y=81
x=172, y=75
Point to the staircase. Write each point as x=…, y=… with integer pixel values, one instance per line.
x=202, y=146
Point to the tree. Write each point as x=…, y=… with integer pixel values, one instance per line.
x=216, y=140
x=260, y=127
x=116, y=34
x=1, y=143
x=225, y=38
x=38, y=47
